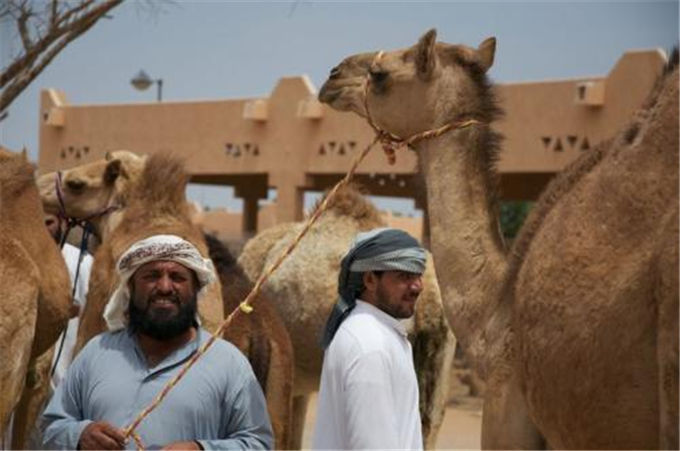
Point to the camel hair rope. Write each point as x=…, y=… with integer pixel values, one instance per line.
x=390, y=144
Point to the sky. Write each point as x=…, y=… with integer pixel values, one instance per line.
x=218, y=50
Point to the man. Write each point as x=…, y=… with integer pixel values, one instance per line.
x=369, y=392
x=72, y=257
x=152, y=333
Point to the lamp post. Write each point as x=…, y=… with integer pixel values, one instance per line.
x=142, y=81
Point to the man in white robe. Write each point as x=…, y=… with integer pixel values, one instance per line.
x=369, y=392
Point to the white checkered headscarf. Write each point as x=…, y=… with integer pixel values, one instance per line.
x=154, y=248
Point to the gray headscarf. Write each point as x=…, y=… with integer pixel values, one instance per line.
x=383, y=249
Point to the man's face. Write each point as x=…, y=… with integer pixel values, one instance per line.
x=53, y=225
x=163, y=299
x=396, y=292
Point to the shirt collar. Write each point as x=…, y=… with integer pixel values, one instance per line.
x=396, y=324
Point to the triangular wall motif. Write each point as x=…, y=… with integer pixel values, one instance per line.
x=558, y=146
x=322, y=150
x=546, y=141
x=571, y=139
x=585, y=145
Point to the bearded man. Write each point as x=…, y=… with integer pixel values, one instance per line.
x=369, y=392
x=153, y=331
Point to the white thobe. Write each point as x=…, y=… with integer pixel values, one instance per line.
x=71, y=255
x=369, y=391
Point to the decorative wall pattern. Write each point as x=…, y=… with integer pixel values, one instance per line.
x=337, y=147
x=561, y=143
x=236, y=150
x=71, y=153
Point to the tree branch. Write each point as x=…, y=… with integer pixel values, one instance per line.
x=24, y=69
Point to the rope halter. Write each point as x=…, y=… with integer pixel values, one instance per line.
x=71, y=222
x=391, y=142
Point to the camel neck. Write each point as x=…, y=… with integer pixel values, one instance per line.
x=464, y=229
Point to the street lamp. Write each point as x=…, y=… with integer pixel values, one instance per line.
x=142, y=81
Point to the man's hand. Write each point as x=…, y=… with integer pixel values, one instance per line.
x=101, y=435
x=182, y=445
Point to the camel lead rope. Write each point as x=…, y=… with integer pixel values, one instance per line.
x=390, y=143
x=245, y=306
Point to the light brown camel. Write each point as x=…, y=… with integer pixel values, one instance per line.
x=34, y=286
x=576, y=331
x=304, y=289
x=151, y=199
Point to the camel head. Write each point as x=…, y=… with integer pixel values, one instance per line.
x=90, y=189
x=414, y=89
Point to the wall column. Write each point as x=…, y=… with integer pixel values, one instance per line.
x=250, y=209
x=289, y=203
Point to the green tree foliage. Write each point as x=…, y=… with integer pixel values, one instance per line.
x=513, y=214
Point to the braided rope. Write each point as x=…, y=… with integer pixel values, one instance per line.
x=245, y=307
x=390, y=144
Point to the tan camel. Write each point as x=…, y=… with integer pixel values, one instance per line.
x=34, y=286
x=576, y=331
x=305, y=287
x=151, y=199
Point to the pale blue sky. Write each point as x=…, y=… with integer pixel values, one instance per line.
x=215, y=50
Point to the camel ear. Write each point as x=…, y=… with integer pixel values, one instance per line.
x=112, y=171
x=426, y=58
x=486, y=52
x=108, y=156
x=24, y=153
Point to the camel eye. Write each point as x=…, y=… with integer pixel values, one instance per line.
x=378, y=76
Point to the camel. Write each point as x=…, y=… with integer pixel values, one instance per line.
x=305, y=287
x=575, y=330
x=35, y=296
x=149, y=194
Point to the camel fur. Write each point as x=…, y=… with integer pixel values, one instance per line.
x=35, y=289
x=576, y=329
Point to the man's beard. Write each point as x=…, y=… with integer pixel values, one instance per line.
x=157, y=323
x=395, y=310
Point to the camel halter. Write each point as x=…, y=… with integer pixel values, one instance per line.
x=71, y=221
x=390, y=144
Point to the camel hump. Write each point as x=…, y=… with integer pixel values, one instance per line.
x=16, y=172
x=162, y=183
x=349, y=201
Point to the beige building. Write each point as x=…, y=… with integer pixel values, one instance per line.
x=291, y=142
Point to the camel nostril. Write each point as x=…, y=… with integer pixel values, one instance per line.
x=75, y=185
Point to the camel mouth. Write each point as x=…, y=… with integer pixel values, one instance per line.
x=328, y=94
x=337, y=98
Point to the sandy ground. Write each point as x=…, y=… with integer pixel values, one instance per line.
x=460, y=429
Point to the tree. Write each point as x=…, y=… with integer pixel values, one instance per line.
x=45, y=28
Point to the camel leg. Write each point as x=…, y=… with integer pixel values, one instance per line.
x=433, y=351
x=24, y=431
x=299, y=413
x=667, y=340
x=505, y=419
